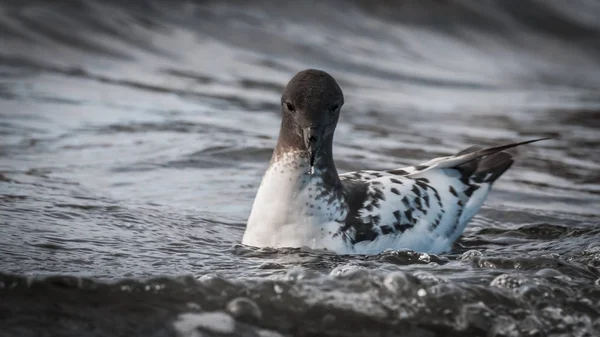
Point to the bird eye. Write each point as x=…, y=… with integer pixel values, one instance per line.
x=334, y=108
x=289, y=106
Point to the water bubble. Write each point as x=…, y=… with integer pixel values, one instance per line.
x=507, y=281
x=299, y=273
x=551, y=256
x=549, y=272
x=592, y=248
x=596, y=260
x=350, y=271
x=504, y=326
x=271, y=265
x=329, y=320
x=397, y=282
x=213, y=280
x=427, y=278
x=531, y=292
x=530, y=325
x=207, y=277
x=553, y=313
x=277, y=288
x=403, y=313
x=245, y=309
x=424, y=257
x=596, y=323
x=470, y=255
x=474, y=315
x=193, y=306
x=216, y=284
x=421, y=292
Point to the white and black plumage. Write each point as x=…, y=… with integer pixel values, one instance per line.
x=302, y=201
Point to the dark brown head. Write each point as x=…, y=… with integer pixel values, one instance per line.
x=310, y=105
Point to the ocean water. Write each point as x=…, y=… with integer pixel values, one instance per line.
x=133, y=137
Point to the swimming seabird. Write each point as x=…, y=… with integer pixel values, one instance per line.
x=302, y=201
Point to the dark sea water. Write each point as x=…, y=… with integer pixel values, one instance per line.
x=134, y=136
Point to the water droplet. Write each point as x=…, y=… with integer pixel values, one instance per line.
x=397, y=282
x=299, y=273
x=470, y=255
x=350, y=271
x=504, y=326
x=428, y=278
x=329, y=319
x=421, y=292
x=244, y=309
x=529, y=291
x=592, y=248
x=193, y=306
x=277, y=288
x=548, y=272
x=554, y=313
x=271, y=265
x=403, y=314
x=214, y=282
x=208, y=277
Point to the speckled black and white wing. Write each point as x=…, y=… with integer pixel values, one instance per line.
x=399, y=211
x=424, y=207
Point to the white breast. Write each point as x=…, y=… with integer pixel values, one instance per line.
x=287, y=213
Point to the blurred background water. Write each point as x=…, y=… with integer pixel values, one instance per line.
x=134, y=136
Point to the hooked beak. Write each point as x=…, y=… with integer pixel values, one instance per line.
x=312, y=142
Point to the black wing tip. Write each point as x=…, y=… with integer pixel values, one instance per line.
x=533, y=140
x=490, y=168
x=490, y=163
x=513, y=144
x=495, y=149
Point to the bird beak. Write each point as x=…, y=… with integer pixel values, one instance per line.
x=312, y=141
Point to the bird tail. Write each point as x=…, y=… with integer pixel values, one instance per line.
x=479, y=164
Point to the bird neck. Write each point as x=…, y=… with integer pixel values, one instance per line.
x=295, y=162
x=291, y=155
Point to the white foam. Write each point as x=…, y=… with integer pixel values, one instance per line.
x=187, y=324
x=269, y=333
